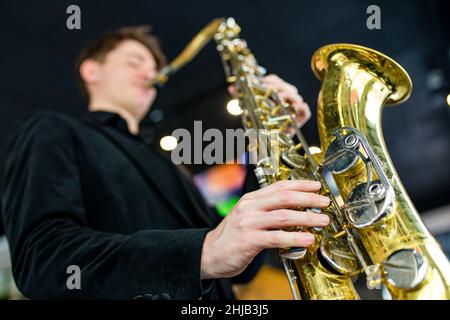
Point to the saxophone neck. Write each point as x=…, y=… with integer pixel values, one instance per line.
x=192, y=49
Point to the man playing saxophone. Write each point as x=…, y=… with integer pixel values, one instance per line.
x=89, y=193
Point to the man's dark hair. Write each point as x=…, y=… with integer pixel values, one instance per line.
x=100, y=47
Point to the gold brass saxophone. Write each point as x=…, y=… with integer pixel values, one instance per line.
x=374, y=227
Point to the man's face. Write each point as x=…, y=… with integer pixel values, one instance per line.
x=121, y=78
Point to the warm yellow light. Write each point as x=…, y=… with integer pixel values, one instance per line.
x=234, y=108
x=314, y=150
x=168, y=143
x=448, y=100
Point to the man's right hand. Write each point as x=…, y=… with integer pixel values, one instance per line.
x=255, y=224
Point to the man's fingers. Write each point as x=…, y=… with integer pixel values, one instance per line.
x=291, y=199
x=279, y=84
x=232, y=91
x=303, y=113
x=301, y=107
x=290, y=97
x=284, y=239
x=278, y=219
x=285, y=91
x=293, y=185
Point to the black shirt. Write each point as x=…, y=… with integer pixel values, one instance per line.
x=86, y=192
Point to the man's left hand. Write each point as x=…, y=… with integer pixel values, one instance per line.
x=289, y=94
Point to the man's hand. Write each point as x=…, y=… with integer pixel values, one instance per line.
x=254, y=224
x=288, y=93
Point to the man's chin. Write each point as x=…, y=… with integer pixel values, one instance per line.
x=142, y=109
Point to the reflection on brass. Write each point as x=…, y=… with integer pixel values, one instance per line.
x=357, y=83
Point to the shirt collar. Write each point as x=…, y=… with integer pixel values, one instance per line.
x=146, y=132
x=111, y=119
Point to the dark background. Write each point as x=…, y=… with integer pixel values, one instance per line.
x=38, y=51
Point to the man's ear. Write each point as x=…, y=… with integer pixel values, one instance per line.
x=89, y=71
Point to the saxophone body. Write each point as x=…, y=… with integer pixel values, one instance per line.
x=357, y=83
x=374, y=228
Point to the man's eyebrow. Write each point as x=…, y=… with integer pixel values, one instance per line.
x=136, y=55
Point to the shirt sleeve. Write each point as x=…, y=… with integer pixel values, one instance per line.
x=48, y=231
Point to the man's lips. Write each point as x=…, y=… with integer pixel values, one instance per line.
x=144, y=90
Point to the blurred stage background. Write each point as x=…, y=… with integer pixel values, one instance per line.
x=37, y=72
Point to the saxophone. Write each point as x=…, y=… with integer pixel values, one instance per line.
x=375, y=229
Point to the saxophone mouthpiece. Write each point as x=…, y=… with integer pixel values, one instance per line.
x=158, y=81
x=161, y=78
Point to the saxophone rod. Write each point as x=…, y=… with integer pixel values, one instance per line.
x=315, y=166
